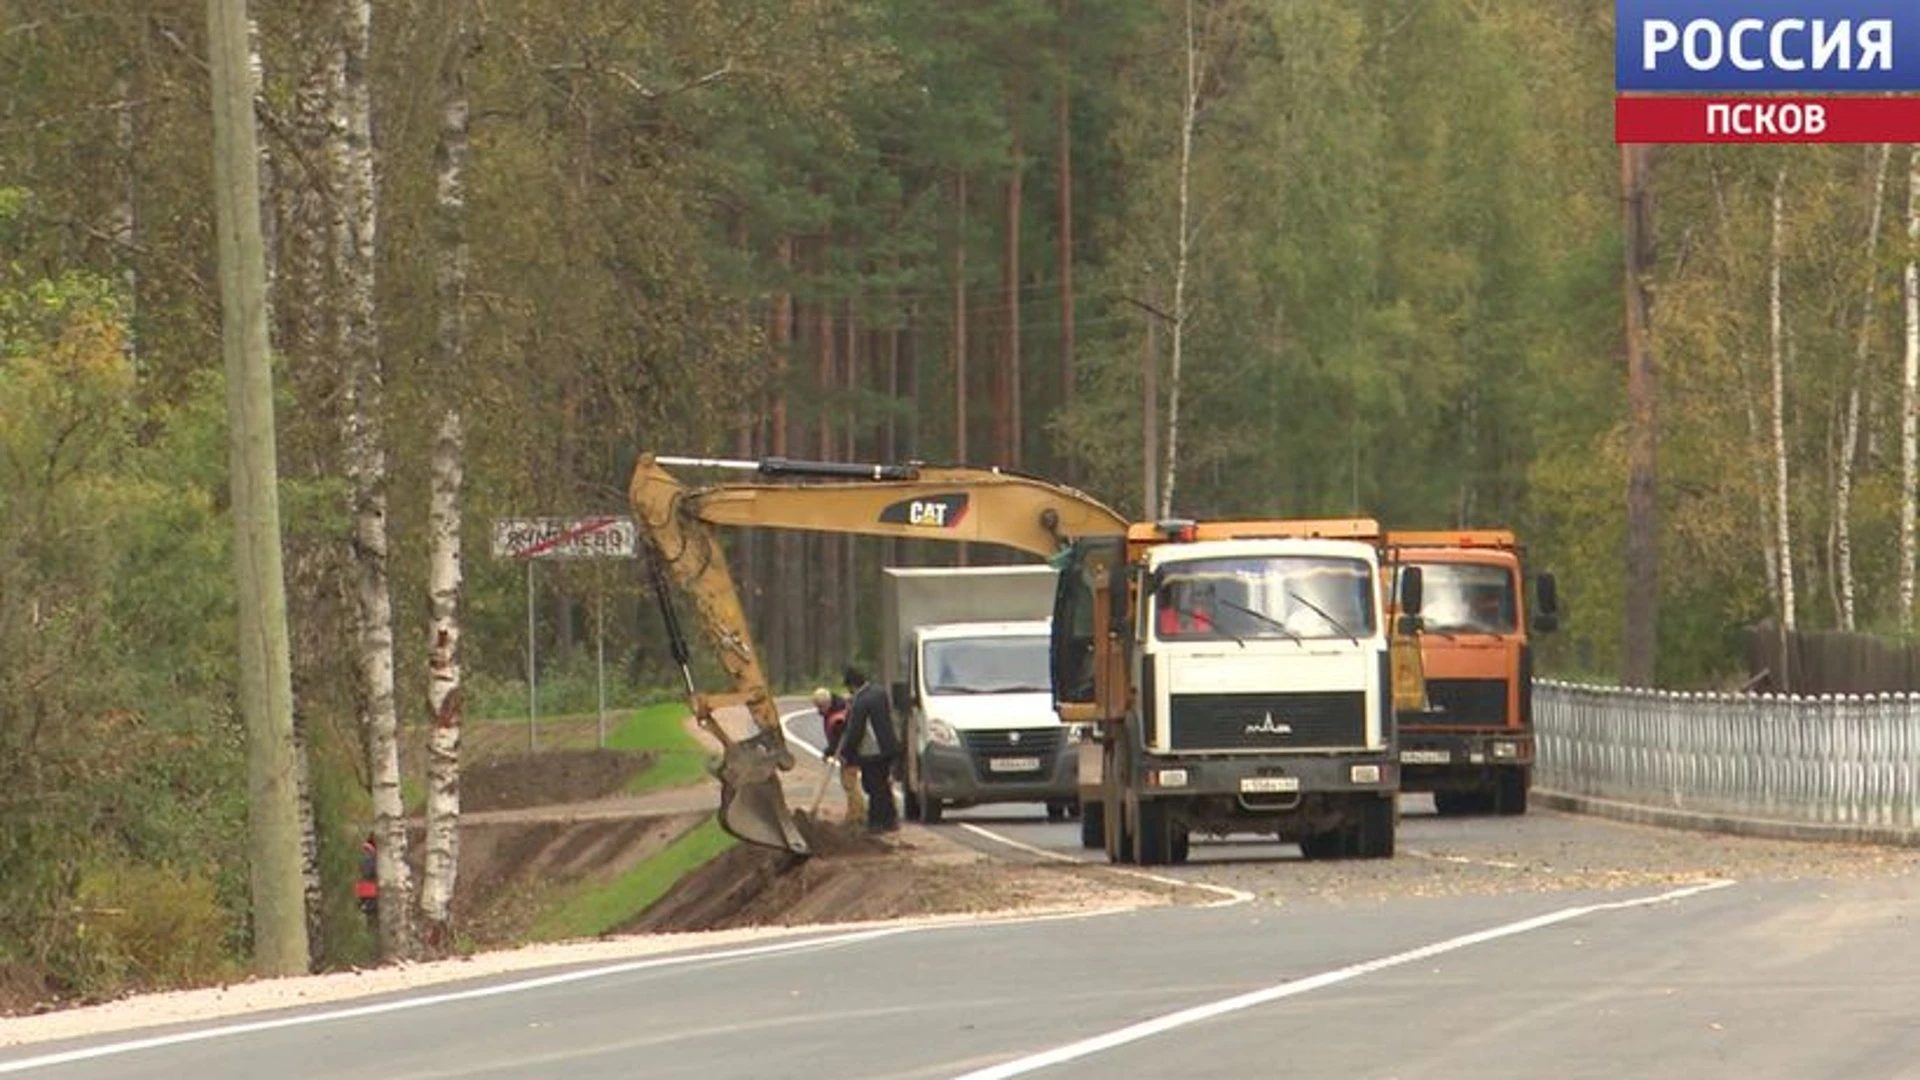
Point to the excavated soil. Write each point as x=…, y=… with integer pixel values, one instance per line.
x=510, y=871
x=854, y=877
x=548, y=777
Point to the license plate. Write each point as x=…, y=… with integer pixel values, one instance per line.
x=1014, y=764
x=1425, y=757
x=1268, y=785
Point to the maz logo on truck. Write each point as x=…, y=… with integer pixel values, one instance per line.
x=1270, y=726
x=931, y=512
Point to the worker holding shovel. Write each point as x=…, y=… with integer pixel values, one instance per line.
x=833, y=715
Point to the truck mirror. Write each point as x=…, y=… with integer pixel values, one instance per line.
x=1410, y=590
x=1545, y=622
x=902, y=699
x=1546, y=595
x=1405, y=625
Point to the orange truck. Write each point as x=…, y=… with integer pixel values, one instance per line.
x=1472, y=744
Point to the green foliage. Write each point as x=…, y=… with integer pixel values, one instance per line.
x=600, y=909
x=149, y=926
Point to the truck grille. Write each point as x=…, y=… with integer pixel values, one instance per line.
x=1282, y=722
x=1466, y=703
x=984, y=747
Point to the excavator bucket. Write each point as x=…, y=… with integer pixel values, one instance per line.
x=753, y=805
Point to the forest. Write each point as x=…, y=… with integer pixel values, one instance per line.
x=1197, y=257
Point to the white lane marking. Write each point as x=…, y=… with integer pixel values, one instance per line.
x=1462, y=860
x=1230, y=895
x=1161, y=1024
x=155, y=1042
x=520, y=986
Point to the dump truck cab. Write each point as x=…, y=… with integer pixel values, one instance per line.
x=1259, y=690
x=1472, y=743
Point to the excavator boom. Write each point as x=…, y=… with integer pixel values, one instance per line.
x=953, y=504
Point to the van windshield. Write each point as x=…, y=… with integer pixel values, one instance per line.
x=988, y=665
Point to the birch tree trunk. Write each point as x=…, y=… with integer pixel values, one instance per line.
x=125, y=226
x=1782, y=513
x=266, y=690
x=1189, y=105
x=444, y=555
x=365, y=451
x=1850, y=430
x=1909, y=384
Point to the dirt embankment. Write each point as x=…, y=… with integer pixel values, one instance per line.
x=855, y=877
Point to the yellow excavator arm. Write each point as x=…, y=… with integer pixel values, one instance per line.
x=677, y=527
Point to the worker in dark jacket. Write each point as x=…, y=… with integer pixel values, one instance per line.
x=869, y=742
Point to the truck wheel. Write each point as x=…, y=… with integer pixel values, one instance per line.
x=911, y=809
x=1120, y=851
x=1093, y=825
x=1510, y=792
x=1153, y=846
x=930, y=810
x=1182, y=844
x=1317, y=846
x=1454, y=803
x=1056, y=811
x=1374, y=835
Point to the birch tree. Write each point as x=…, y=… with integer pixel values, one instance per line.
x=1909, y=384
x=1189, y=106
x=1782, y=515
x=365, y=452
x=1850, y=431
x=444, y=577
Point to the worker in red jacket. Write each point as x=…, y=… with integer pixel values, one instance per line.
x=833, y=716
x=367, y=889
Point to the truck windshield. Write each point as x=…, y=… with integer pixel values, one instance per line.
x=1271, y=596
x=1467, y=598
x=988, y=665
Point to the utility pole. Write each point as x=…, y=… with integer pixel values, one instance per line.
x=266, y=688
x=1641, y=632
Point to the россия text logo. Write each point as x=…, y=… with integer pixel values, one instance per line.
x=1676, y=60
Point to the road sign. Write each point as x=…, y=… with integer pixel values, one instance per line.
x=565, y=538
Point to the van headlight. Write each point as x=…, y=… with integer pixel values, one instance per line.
x=941, y=733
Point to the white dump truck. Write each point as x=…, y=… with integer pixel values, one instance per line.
x=965, y=659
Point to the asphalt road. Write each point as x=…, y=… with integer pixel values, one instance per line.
x=1547, y=945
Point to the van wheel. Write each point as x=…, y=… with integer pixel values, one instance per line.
x=1093, y=825
x=930, y=810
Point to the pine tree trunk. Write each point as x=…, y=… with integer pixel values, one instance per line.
x=364, y=439
x=266, y=693
x=784, y=615
x=445, y=699
x=830, y=593
x=1063, y=122
x=1010, y=378
x=1642, y=622
x=960, y=315
x=1909, y=390
x=1782, y=513
x=1189, y=105
x=1850, y=432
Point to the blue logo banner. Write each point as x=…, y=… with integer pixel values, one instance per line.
x=1808, y=46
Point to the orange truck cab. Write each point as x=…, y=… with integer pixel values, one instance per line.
x=1472, y=745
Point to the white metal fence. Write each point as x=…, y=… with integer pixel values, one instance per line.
x=1830, y=760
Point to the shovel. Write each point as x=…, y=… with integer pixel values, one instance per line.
x=826, y=781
